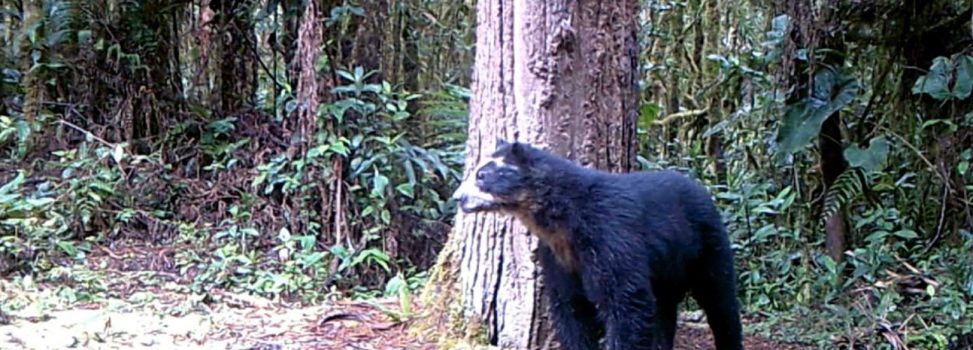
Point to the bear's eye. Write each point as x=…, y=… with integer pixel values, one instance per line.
x=505, y=171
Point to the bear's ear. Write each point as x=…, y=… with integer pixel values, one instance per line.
x=518, y=154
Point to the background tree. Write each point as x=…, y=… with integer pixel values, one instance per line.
x=238, y=67
x=559, y=74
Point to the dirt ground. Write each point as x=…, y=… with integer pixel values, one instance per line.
x=152, y=310
x=344, y=325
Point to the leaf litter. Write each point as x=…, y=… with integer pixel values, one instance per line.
x=145, y=309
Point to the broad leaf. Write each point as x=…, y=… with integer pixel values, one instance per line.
x=936, y=83
x=907, y=234
x=379, y=182
x=871, y=158
x=964, y=77
x=802, y=121
x=405, y=189
x=798, y=128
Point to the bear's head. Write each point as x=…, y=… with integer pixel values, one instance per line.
x=500, y=182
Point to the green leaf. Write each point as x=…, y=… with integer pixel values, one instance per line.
x=877, y=236
x=40, y=202
x=405, y=189
x=339, y=147
x=318, y=151
x=949, y=123
x=84, y=36
x=872, y=158
x=102, y=186
x=321, y=63
x=405, y=300
x=311, y=259
x=306, y=241
x=799, y=126
x=647, y=114
x=964, y=164
x=67, y=247
x=394, y=284
x=339, y=251
x=379, y=182
x=803, y=120
x=907, y=234
x=15, y=183
x=964, y=77
x=936, y=83
x=345, y=74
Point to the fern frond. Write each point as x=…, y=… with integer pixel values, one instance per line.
x=60, y=18
x=846, y=188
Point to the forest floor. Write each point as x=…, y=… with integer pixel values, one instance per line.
x=140, y=306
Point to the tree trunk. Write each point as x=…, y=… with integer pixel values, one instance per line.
x=814, y=31
x=308, y=51
x=367, y=51
x=833, y=164
x=150, y=109
x=238, y=63
x=293, y=13
x=313, y=89
x=559, y=74
x=32, y=83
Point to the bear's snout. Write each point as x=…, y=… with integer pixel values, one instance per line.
x=471, y=199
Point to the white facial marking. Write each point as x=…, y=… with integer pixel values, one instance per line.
x=500, y=163
x=471, y=196
x=469, y=189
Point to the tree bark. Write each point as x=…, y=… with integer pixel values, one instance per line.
x=293, y=14
x=833, y=164
x=367, y=51
x=148, y=119
x=308, y=90
x=32, y=83
x=559, y=74
x=238, y=63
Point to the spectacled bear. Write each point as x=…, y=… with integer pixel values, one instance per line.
x=619, y=252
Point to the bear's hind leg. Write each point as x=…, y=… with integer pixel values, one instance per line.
x=715, y=292
x=667, y=316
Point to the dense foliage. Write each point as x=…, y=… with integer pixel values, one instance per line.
x=166, y=123
x=184, y=125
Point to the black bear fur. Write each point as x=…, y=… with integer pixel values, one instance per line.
x=619, y=251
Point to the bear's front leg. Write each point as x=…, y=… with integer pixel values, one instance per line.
x=573, y=316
